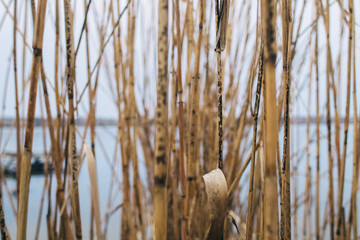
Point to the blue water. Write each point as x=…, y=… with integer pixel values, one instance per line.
x=104, y=174
x=106, y=165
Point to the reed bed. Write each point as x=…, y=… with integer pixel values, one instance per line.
x=225, y=119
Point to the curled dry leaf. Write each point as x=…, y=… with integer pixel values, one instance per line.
x=216, y=191
x=236, y=221
x=94, y=188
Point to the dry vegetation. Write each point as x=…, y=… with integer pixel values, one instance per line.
x=208, y=125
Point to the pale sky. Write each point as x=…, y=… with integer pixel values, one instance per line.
x=145, y=41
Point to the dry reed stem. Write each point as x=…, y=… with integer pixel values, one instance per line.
x=161, y=125
x=49, y=224
x=131, y=123
x=207, y=108
x=270, y=182
x=356, y=140
x=250, y=208
x=18, y=140
x=222, y=13
x=91, y=117
x=46, y=164
x=181, y=147
x=278, y=165
x=2, y=176
x=293, y=45
x=4, y=15
x=57, y=161
x=285, y=222
x=307, y=200
x=130, y=120
x=239, y=135
x=235, y=183
x=127, y=124
x=180, y=96
x=49, y=221
x=70, y=78
x=27, y=154
x=17, y=28
x=24, y=55
x=172, y=167
x=337, y=119
x=57, y=94
x=97, y=63
x=193, y=165
x=126, y=215
x=105, y=42
x=317, y=204
x=340, y=225
x=189, y=24
x=4, y=231
x=328, y=121
x=84, y=26
x=33, y=11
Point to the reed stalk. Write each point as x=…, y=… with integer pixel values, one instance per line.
x=161, y=125
x=56, y=77
x=57, y=161
x=2, y=177
x=328, y=122
x=126, y=213
x=33, y=11
x=296, y=202
x=193, y=166
x=180, y=96
x=180, y=115
x=91, y=116
x=4, y=231
x=17, y=28
x=285, y=222
x=17, y=116
x=356, y=140
x=172, y=167
x=270, y=181
x=46, y=164
x=130, y=120
x=307, y=200
x=341, y=224
x=49, y=221
x=24, y=56
x=207, y=108
x=29, y=132
x=221, y=13
x=189, y=30
x=126, y=216
x=56, y=145
x=317, y=204
x=240, y=132
x=235, y=183
x=250, y=208
x=70, y=78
